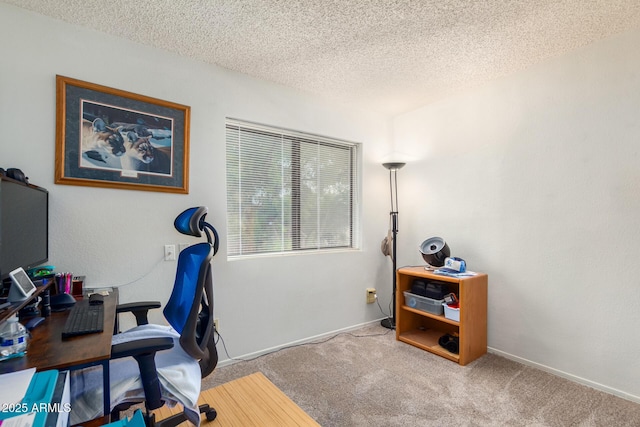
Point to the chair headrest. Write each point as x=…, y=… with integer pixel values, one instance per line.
x=190, y=222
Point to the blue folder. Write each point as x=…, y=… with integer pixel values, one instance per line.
x=137, y=420
x=38, y=398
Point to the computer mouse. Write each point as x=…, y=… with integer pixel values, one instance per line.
x=96, y=299
x=61, y=302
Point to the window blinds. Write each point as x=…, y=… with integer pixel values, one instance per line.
x=289, y=191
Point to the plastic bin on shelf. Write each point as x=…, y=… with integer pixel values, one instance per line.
x=433, y=306
x=452, y=313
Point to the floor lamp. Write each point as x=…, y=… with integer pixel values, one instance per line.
x=393, y=167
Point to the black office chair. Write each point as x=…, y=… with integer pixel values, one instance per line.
x=189, y=311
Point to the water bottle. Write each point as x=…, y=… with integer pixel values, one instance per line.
x=13, y=339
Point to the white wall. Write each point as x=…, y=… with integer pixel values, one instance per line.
x=116, y=236
x=535, y=180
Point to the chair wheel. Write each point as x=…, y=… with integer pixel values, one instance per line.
x=211, y=414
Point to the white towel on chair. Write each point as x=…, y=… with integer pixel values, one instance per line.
x=178, y=372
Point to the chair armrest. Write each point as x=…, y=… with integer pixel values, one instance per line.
x=141, y=346
x=139, y=310
x=144, y=352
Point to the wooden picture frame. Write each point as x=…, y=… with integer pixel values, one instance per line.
x=107, y=137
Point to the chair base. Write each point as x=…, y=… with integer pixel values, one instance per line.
x=172, y=421
x=176, y=419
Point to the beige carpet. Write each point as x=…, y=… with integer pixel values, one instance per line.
x=374, y=380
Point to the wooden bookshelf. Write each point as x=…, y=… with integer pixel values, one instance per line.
x=423, y=330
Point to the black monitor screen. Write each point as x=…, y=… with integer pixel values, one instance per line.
x=23, y=226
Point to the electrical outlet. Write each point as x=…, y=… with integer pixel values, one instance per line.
x=371, y=295
x=216, y=324
x=169, y=252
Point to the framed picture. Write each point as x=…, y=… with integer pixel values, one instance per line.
x=107, y=137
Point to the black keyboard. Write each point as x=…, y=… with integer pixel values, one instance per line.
x=84, y=319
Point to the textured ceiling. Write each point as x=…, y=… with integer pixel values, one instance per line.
x=389, y=56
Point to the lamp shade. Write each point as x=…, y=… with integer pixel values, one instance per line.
x=393, y=166
x=434, y=250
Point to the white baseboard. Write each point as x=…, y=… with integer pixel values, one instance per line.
x=566, y=375
x=249, y=356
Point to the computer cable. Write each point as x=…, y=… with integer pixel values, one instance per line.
x=138, y=279
x=380, y=307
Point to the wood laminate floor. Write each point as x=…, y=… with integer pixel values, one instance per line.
x=248, y=401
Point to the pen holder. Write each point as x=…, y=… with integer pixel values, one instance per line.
x=63, y=283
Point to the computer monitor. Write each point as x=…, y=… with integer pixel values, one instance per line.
x=24, y=229
x=21, y=286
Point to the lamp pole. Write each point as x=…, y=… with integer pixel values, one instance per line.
x=393, y=167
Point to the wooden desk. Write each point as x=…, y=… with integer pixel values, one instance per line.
x=47, y=350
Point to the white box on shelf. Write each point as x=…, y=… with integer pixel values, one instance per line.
x=451, y=313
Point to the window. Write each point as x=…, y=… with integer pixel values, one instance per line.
x=289, y=191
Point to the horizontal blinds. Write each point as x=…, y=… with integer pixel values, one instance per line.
x=288, y=191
